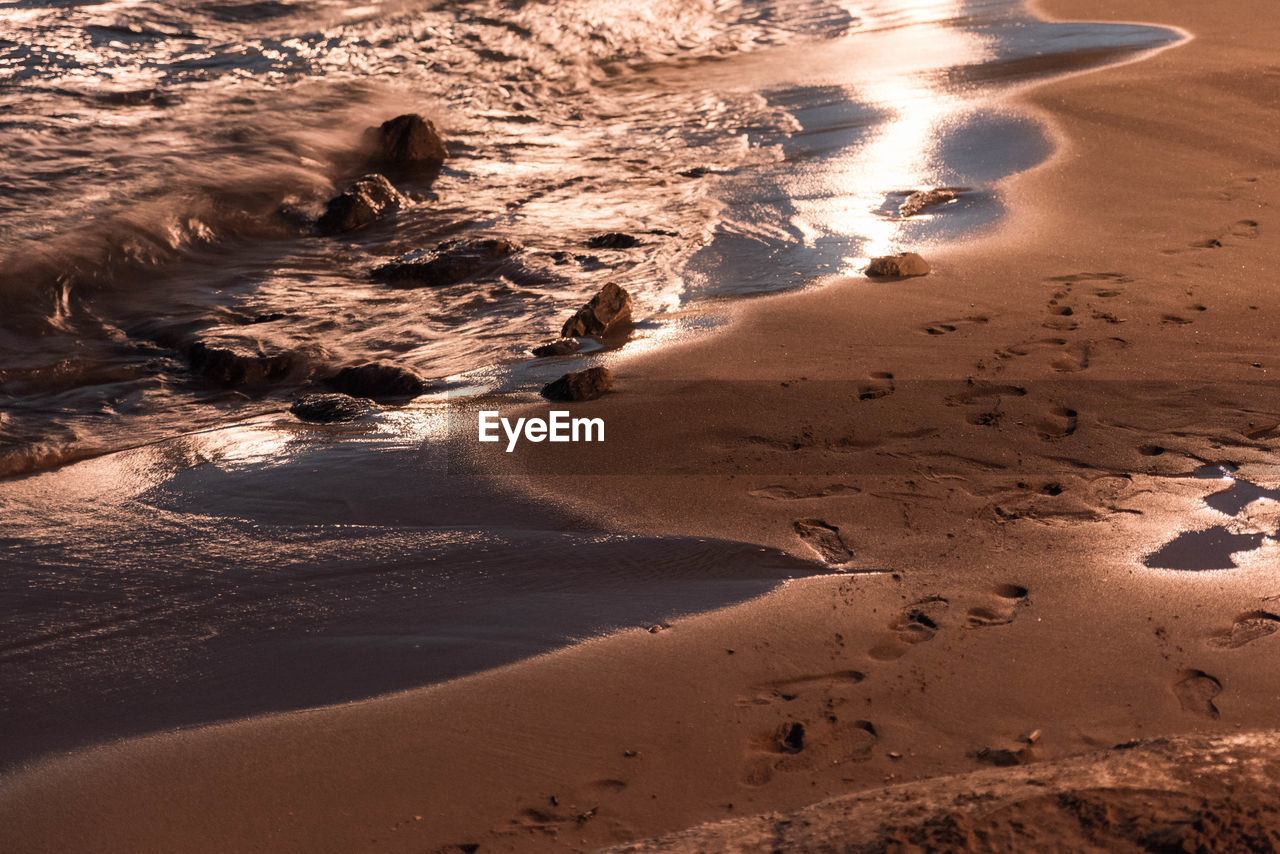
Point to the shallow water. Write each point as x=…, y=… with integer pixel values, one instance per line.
x=257, y=569
x=161, y=162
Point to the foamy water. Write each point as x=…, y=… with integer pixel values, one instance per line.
x=162, y=163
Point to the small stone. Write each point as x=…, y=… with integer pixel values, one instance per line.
x=921, y=199
x=329, y=408
x=901, y=266
x=558, y=347
x=366, y=201
x=378, y=381
x=613, y=240
x=579, y=385
x=609, y=310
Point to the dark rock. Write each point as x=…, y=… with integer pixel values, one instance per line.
x=233, y=365
x=921, y=199
x=448, y=264
x=609, y=310
x=901, y=265
x=366, y=201
x=329, y=408
x=613, y=240
x=378, y=381
x=579, y=385
x=558, y=347
x=405, y=143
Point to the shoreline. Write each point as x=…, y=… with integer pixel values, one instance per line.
x=590, y=745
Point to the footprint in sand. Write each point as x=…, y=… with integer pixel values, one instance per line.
x=782, y=493
x=1196, y=691
x=1006, y=601
x=1060, y=422
x=919, y=621
x=946, y=327
x=828, y=685
x=880, y=384
x=1246, y=229
x=916, y=623
x=1062, y=318
x=980, y=391
x=802, y=745
x=825, y=540
x=1247, y=628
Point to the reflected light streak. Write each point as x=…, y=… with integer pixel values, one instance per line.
x=898, y=70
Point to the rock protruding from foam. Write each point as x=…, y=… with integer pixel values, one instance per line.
x=405, y=144
x=449, y=263
x=558, y=347
x=378, y=381
x=608, y=311
x=580, y=385
x=902, y=265
x=231, y=365
x=368, y=199
x=330, y=408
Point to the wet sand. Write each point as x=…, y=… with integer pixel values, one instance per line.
x=992, y=452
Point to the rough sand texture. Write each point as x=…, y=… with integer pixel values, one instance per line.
x=1007, y=438
x=1188, y=794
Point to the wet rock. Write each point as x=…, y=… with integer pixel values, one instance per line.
x=378, y=381
x=608, y=311
x=580, y=385
x=921, y=199
x=558, y=347
x=447, y=264
x=901, y=265
x=366, y=201
x=236, y=365
x=330, y=408
x=613, y=240
x=407, y=143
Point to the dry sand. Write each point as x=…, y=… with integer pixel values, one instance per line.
x=1002, y=487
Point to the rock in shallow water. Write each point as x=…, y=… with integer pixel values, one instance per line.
x=329, y=408
x=366, y=201
x=405, y=143
x=447, y=264
x=378, y=381
x=901, y=265
x=579, y=385
x=558, y=347
x=613, y=240
x=608, y=311
x=921, y=199
x=233, y=365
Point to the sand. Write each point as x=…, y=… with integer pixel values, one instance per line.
x=987, y=453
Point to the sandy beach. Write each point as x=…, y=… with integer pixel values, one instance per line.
x=997, y=463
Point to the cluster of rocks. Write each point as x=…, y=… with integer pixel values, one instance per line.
x=407, y=147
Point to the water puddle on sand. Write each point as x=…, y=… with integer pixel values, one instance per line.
x=259, y=569
x=1252, y=526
